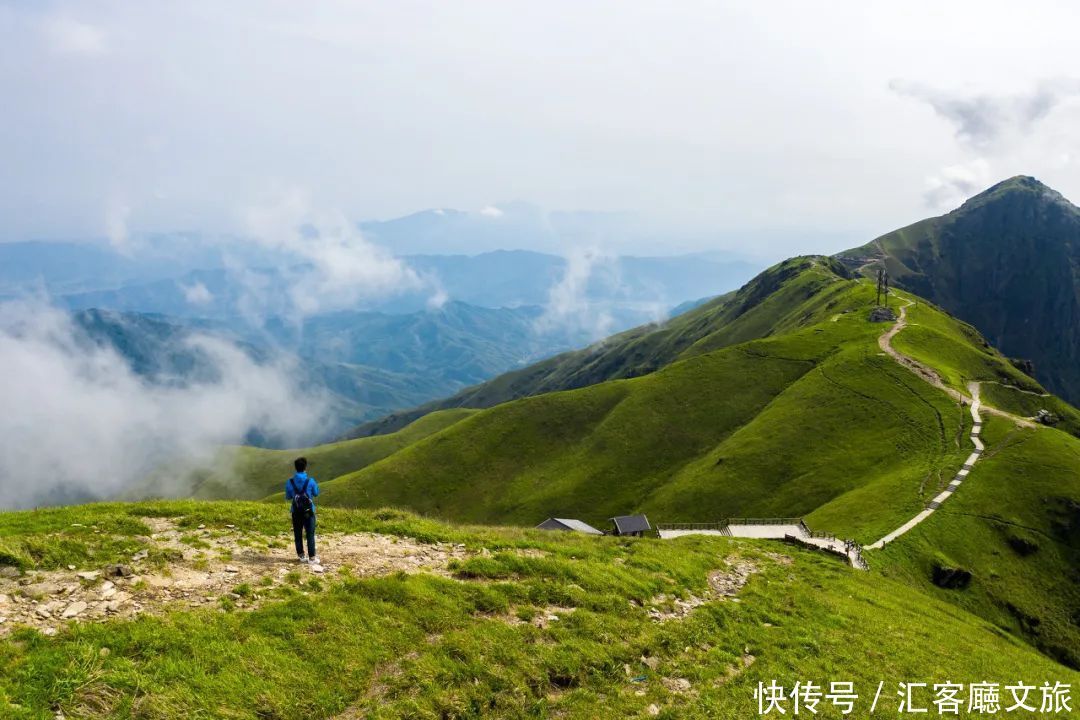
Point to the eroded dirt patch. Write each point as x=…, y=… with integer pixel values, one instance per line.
x=207, y=567
x=723, y=584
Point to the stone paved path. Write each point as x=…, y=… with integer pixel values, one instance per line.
x=934, y=504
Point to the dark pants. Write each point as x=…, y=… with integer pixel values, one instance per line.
x=300, y=526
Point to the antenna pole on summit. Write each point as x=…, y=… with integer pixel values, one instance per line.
x=882, y=286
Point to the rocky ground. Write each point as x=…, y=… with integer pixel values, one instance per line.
x=205, y=567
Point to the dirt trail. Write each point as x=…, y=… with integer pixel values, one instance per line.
x=930, y=376
x=973, y=401
x=206, y=568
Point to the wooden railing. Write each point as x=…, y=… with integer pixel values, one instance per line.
x=765, y=521
x=718, y=526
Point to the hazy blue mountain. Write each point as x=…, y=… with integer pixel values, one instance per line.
x=639, y=288
x=63, y=267
x=367, y=365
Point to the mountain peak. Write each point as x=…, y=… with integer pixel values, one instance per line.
x=1017, y=187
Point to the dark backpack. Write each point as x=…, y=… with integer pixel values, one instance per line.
x=302, y=505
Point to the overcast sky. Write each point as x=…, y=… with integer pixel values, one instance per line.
x=774, y=122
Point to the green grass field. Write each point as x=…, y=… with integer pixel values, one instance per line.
x=248, y=473
x=813, y=421
x=810, y=421
x=422, y=646
x=776, y=401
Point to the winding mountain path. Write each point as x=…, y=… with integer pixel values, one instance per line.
x=930, y=376
x=934, y=504
x=974, y=401
x=792, y=530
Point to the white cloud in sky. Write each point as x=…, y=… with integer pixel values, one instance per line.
x=491, y=211
x=999, y=135
x=66, y=35
x=744, y=123
x=334, y=267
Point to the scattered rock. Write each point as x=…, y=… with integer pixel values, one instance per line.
x=676, y=685
x=88, y=575
x=74, y=610
x=882, y=314
x=7, y=571
x=316, y=568
x=232, y=569
x=1046, y=417
x=141, y=555
x=653, y=710
x=120, y=571
x=652, y=662
x=42, y=612
x=71, y=567
x=104, y=652
x=49, y=631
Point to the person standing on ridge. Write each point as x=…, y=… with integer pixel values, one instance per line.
x=300, y=490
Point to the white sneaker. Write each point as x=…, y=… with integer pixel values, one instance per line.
x=314, y=560
x=302, y=559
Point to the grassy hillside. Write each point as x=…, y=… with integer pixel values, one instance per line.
x=248, y=473
x=771, y=302
x=521, y=624
x=811, y=420
x=1015, y=527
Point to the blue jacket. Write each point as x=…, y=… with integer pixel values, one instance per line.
x=301, y=479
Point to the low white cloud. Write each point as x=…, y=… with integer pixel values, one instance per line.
x=197, y=294
x=117, y=212
x=334, y=266
x=82, y=425
x=569, y=308
x=491, y=211
x=953, y=184
x=66, y=35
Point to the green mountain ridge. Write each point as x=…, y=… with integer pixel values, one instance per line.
x=785, y=406
x=725, y=320
x=1008, y=262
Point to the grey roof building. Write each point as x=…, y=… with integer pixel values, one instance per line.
x=568, y=524
x=631, y=525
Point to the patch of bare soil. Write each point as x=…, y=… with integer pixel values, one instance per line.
x=209, y=566
x=723, y=584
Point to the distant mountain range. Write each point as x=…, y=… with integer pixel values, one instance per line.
x=637, y=286
x=363, y=365
x=1008, y=262
x=475, y=316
